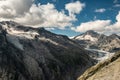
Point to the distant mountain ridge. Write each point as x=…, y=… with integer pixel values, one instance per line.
x=93, y=39
x=28, y=53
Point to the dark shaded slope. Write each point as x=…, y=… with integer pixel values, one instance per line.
x=46, y=56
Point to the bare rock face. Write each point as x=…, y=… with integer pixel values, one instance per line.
x=95, y=40
x=28, y=53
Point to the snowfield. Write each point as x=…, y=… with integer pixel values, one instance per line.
x=87, y=37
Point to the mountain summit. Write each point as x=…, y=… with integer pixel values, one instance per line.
x=92, y=33
x=99, y=41
x=28, y=53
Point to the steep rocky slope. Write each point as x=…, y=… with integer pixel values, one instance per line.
x=28, y=53
x=95, y=40
x=107, y=70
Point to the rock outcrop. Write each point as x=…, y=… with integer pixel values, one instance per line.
x=28, y=53
x=107, y=70
x=95, y=40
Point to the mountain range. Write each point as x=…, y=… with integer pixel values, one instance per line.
x=28, y=53
x=94, y=40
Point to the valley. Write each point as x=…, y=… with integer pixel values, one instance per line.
x=28, y=53
x=59, y=39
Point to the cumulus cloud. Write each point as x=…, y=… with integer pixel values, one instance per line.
x=97, y=25
x=28, y=13
x=117, y=5
x=12, y=8
x=116, y=26
x=74, y=7
x=45, y=16
x=101, y=10
x=54, y=0
x=115, y=1
x=102, y=26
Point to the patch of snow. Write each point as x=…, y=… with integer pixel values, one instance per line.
x=15, y=41
x=22, y=34
x=19, y=33
x=87, y=37
x=49, y=40
x=71, y=37
x=5, y=26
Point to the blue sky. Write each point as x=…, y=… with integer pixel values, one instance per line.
x=74, y=16
x=88, y=13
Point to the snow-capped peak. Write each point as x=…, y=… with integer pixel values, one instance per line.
x=14, y=34
x=86, y=37
x=12, y=29
x=89, y=36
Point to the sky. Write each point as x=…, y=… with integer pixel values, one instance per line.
x=67, y=17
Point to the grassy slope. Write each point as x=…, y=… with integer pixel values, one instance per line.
x=107, y=70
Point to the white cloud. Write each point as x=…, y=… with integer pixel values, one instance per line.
x=12, y=8
x=95, y=17
x=27, y=13
x=54, y=0
x=117, y=5
x=74, y=7
x=115, y=1
x=116, y=26
x=102, y=26
x=45, y=16
x=101, y=10
x=97, y=25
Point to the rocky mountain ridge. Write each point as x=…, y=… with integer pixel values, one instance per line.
x=28, y=53
x=95, y=40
